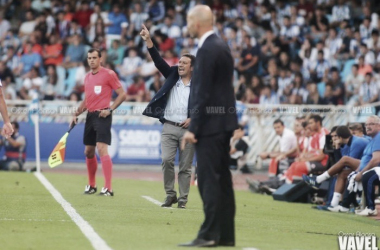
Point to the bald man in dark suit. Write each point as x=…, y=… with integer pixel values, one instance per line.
x=213, y=120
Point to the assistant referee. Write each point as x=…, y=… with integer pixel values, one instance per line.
x=98, y=86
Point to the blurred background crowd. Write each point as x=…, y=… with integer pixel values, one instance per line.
x=285, y=52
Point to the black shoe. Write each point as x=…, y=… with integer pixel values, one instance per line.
x=226, y=243
x=182, y=204
x=90, y=190
x=245, y=170
x=106, y=192
x=199, y=243
x=170, y=201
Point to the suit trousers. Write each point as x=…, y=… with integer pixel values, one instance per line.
x=171, y=138
x=215, y=187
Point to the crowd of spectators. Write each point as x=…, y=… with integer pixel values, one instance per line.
x=345, y=159
x=285, y=52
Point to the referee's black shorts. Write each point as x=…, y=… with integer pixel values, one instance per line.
x=97, y=129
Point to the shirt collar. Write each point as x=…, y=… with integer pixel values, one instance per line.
x=180, y=81
x=204, y=37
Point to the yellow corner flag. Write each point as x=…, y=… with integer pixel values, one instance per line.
x=57, y=157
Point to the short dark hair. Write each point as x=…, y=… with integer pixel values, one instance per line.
x=317, y=118
x=17, y=126
x=304, y=124
x=95, y=50
x=344, y=132
x=278, y=121
x=356, y=127
x=192, y=58
x=333, y=129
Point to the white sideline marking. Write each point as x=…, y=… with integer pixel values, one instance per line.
x=154, y=201
x=38, y=220
x=95, y=240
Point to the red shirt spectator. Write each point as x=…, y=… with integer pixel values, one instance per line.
x=82, y=16
x=53, y=52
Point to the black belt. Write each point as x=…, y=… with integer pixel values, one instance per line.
x=97, y=111
x=173, y=123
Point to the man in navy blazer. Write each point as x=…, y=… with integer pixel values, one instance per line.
x=171, y=106
x=213, y=120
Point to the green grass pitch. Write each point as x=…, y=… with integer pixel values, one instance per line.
x=30, y=218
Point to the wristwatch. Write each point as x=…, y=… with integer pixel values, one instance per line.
x=111, y=110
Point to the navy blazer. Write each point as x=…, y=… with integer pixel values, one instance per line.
x=156, y=107
x=212, y=93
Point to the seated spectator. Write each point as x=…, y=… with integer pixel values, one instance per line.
x=32, y=85
x=50, y=82
x=357, y=129
x=328, y=98
x=116, y=19
x=147, y=68
x=314, y=98
x=289, y=36
x=368, y=92
x=249, y=58
x=374, y=42
x=15, y=150
x=52, y=53
x=6, y=73
x=170, y=58
x=63, y=26
x=363, y=68
x=319, y=68
x=314, y=160
x=297, y=89
x=319, y=23
x=170, y=29
x=75, y=53
x=155, y=9
x=28, y=26
x=4, y=26
x=270, y=46
x=116, y=53
x=340, y=12
x=12, y=61
x=137, y=18
x=337, y=87
x=370, y=180
x=29, y=60
x=130, y=66
x=10, y=40
x=365, y=29
x=369, y=56
x=268, y=97
x=288, y=149
x=164, y=42
x=156, y=85
x=239, y=147
x=352, y=85
x=8, y=89
x=136, y=92
x=369, y=159
x=83, y=14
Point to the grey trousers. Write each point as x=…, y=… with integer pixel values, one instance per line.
x=171, y=138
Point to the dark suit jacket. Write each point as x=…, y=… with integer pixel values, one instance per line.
x=156, y=107
x=212, y=94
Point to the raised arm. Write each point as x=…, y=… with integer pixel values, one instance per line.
x=160, y=63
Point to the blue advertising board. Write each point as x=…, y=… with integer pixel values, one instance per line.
x=131, y=144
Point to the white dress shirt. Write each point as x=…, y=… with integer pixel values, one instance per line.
x=177, y=107
x=204, y=37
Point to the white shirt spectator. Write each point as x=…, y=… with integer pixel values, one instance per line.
x=4, y=27
x=288, y=140
x=290, y=32
x=283, y=12
x=353, y=83
x=340, y=13
x=369, y=91
x=173, y=31
x=369, y=58
x=137, y=19
x=320, y=67
x=230, y=13
x=314, y=54
x=365, y=33
x=273, y=99
x=371, y=44
x=283, y=83
x=129, y=65
x=27, y=28
x=334, y=45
